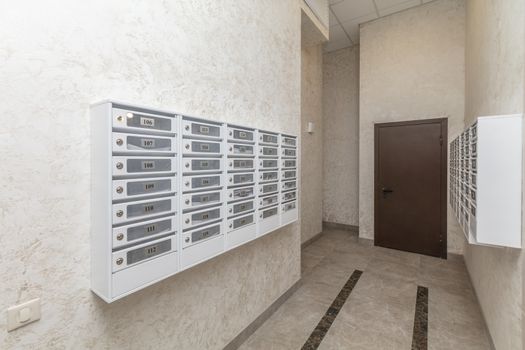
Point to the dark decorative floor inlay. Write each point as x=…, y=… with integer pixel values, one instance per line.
x=419, y=337
x=322, y=327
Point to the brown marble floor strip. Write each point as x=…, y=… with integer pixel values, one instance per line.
x=323, y=326
x=420, y=334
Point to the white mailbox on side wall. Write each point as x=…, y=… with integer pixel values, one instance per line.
x=171, y=191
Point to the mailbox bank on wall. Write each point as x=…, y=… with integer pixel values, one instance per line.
x=171, y=191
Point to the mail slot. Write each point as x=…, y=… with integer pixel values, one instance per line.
x=288, y=196
x=135, y=121
x=141, y=143
x=289, y=185
x=124, y=235
x=200, y=217
x=289, y=174
x=269, y=176
x=237, y=223
x=131, y=256
x=239, y=208
x=269, y=213
x=269, y=200
x=288, y=141
x=268, y=163
x=142, y=209
x=201, y=182
x=240, y=179
x=196, y=200
x=201, y=165
x=200, y=147
x=240, y=134
x=474, y=165
x=289, y=206
x=267, y=189
x=143, y=165
x=268, y=138
x=240, y=164
x=240, y=150
x=144, y=187
x=289, y=163
x=268, y=151
x=201, y=234
x=192, y=128
x=289, y=152
x=473, y=195
x=240, y=193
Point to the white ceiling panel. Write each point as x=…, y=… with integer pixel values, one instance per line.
x=331, y=2
x=351, y=9
x=399, y=7
x=352, y=27
x=332, y=20
x=383, y=4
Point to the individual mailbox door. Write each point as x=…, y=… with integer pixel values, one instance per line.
x=268, y=176
x=240, y=193
x=240, y=164
x=240, y=179
x=135, y=188
x=240, y=150
x=143, y=165
x=140, y=122
x=200, y=182
x=271, y=139
x=240, y=222
x=145, y=230
x=200, y=129
x=201, y=217
x=267, y=151
x=288, y=141
x=289, y=152
x=201, y=147
x=200, y=235
x=140, y=253
x=289, y=185
x=240, y=207
x=144, y=209
x=240, y=135
x=268, y=164
x=197, y=200
x=268, y=189
x=288, y=196
x=202, y=165
x=268, y=213
x=289, y=206
x=135, y=143
x=268, y=200
x=289, y=174
x=289, y=163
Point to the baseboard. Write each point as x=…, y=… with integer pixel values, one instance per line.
x=311, y=240
x=337, y=226
x=252, y=327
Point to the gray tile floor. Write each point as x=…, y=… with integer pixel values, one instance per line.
x=379, y=313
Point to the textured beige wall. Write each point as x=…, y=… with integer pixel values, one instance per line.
x=412, y=66
x=234, y=60
x=341, y=136
x=495, y=84
x=311, y=144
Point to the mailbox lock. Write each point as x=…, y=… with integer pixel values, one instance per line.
x=187, y=165
x=231, y=149
x=187, y=201
x=231, y=163
x=231, y=179
x=187, y=127
x=261, y=216
x=120, y=213
x=187, y=239
x=230, y=210
x=120, y=165
x=120, y=189
x=120, y=261
x=119, y=118
x=187, y=146
x=119, y=142
x=120, y=236
x=187, y=183
x=231, y=195
x=187, y=221
x=231, y=133
x=231, y=225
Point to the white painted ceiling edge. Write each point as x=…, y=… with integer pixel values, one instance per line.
x=345, y=17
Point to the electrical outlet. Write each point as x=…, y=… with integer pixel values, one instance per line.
x=23, y=314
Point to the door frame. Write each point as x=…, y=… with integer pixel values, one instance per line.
x=444, y=179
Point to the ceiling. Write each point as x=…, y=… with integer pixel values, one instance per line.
x=346, y=15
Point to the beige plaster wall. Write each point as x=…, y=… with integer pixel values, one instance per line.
x=311, y=144
x=234, y=60
x=412, y=66
x=495, y=84
x=341, y=136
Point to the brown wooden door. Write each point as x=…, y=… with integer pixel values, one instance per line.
x=410, y=186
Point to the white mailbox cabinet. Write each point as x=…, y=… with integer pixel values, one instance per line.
x=486, y=180
x=170, y=191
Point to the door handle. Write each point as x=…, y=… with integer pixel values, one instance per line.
x=385, y=191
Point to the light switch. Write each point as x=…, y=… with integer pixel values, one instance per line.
x=23, y=314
